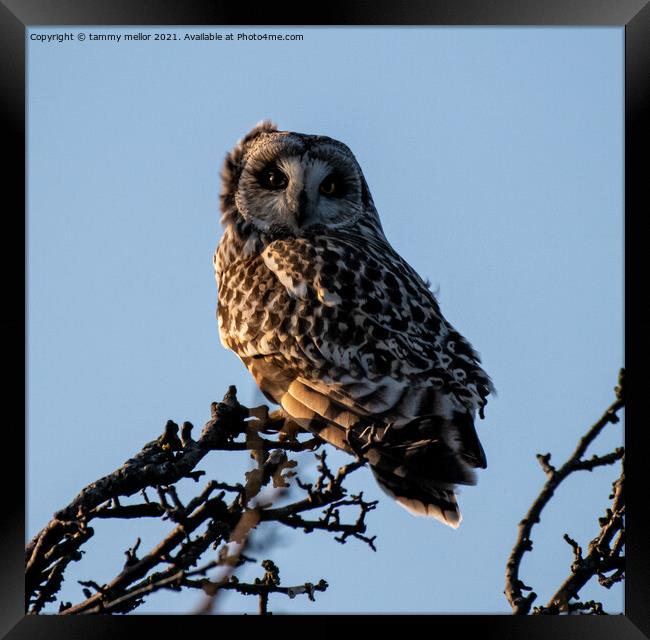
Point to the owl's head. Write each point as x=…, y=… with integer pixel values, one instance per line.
x=287, y=183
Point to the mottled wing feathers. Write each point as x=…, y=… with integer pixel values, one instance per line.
x=371, y=319
x=345, y=336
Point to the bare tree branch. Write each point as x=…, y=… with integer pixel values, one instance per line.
x=209, y=520
x=599, y=560
x=222, y=517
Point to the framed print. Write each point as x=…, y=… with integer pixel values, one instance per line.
x=419, y=220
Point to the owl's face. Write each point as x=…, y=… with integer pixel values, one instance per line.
x=285, y=182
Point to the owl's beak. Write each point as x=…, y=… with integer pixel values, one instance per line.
x=301, y=215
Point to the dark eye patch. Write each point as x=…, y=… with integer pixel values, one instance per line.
x=272, y=178
x=333, y=186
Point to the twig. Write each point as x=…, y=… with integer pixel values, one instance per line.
x=514, y=587
x=600, y=559
x=158, y=466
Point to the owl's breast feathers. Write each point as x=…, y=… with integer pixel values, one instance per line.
x=340, y=331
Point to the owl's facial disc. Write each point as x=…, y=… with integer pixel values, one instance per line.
x=286, y=187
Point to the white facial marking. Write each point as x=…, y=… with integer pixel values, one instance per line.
x=300, y=204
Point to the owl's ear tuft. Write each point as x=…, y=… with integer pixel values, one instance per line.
x=263, y=126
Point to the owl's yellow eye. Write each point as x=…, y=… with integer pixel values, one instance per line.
x=331, y=186
x=273, y=178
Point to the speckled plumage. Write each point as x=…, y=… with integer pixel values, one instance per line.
x=336, y=327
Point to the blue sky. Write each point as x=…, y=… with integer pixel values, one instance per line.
x=494, y=156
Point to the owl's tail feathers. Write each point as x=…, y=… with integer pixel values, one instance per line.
x=421, y=474
x=430, y=501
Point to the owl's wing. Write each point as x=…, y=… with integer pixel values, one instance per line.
x=343, y=334
x=370, y=342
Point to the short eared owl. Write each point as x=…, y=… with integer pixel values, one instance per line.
x=336, y=327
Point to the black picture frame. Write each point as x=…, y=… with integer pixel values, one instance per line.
x=18, y=15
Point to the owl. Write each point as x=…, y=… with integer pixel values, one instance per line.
x=336, y=327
